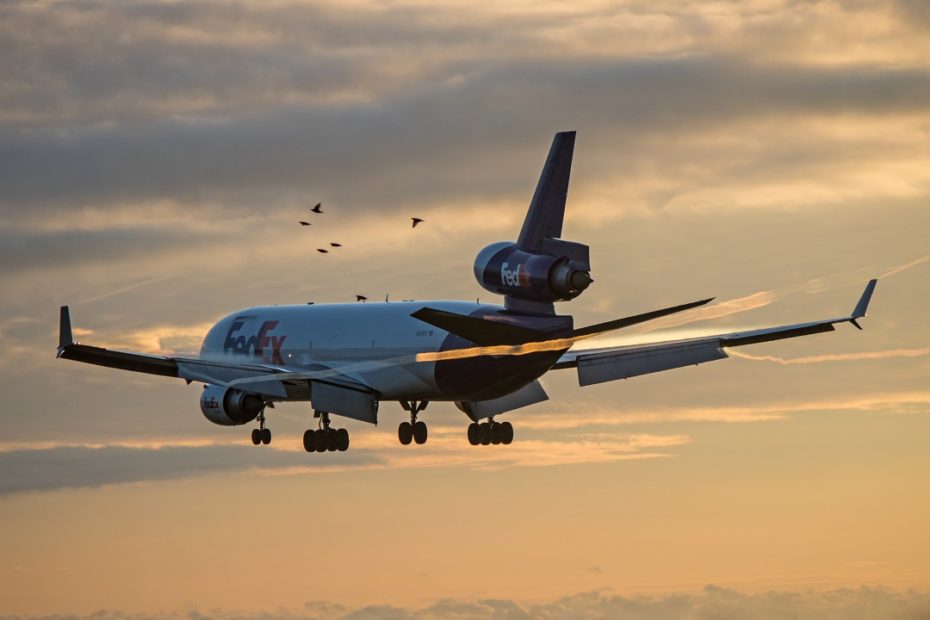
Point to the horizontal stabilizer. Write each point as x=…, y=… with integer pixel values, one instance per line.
x=480, y=331
x=600, y=328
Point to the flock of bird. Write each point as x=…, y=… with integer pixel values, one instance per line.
x=318, y=210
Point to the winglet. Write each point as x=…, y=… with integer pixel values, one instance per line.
x=863, y=305
x=64, y=329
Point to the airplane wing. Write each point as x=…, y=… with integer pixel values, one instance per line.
x=265, y=379
x=611, y=363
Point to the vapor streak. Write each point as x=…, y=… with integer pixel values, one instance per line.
x=833, y=357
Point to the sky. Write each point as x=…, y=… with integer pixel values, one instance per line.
x=155, y=158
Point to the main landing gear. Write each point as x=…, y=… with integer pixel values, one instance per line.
x=490, y=432
x=326, y=439
x=413, y=430
x=261, y=434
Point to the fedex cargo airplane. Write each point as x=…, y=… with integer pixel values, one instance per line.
x=346, y=359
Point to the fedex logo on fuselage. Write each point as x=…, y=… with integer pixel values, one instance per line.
x=514, y=277
x=258, y=344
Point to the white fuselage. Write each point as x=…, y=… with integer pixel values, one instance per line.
x=376, y=343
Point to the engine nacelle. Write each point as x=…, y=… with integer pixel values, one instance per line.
x=558, y=272
x=228, y=406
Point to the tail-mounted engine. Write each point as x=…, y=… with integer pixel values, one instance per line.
x=228, y=406
x=540, y=267
x=558, y=271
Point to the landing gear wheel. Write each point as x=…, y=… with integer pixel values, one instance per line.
x=319, y=440
x=266, y=436
x=256, y=436
x=413, y=430
x=405, y=433
x=485, y=433
x=420, y=432
x=308, y=441
x=331, y=445
x=474, y=433
x=342, y=440
x=495, y=433
x=506, y=433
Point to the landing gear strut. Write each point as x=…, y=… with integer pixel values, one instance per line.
x=490, y=432
x=413, y=430
x=261, y=434
x=325, y=438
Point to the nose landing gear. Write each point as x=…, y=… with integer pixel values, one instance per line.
x=261, y=435
x=413, y=430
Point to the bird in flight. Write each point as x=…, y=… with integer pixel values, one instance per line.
x=303, y=223
x=415, y=221
x=322, y=251
x=336, y=245
x=361, y=298
x=318, y=208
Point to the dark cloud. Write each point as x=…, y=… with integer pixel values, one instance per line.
x=429, y=144
x=76, y=467
x=713, y=603
x=21, y=251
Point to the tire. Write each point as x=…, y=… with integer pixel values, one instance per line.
x=506, y=431
x=485, y=434
x=342, y=440
x=308, y=441
x=266, y=436
x=405, y=433
x=496, y=434
x=256, y=436
x=474, y=433
x=331, y=441
x=420, y=432
x=319, y=440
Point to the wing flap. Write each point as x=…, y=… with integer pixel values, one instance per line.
x=610, y=366
x=359, y=405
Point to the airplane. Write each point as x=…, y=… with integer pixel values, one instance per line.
x=345, y=359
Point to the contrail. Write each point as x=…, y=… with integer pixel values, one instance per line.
x=724, y=308
x=764, y=298
x=122, y=290
x=832, y=357
x=905, y=266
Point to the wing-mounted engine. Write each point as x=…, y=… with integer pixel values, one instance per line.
x=228, y=406
x=540, y=268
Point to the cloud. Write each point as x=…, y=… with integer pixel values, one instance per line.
x=50, y=465
x=711, y=603
x=69, y=467
x=283, y=148
x=600, y=416
x=543, y=440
